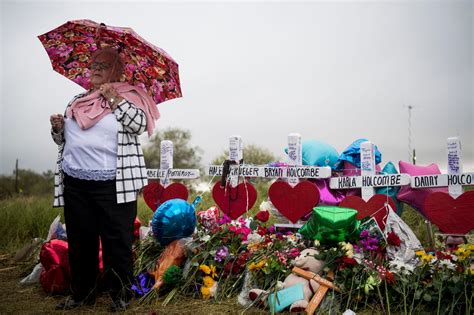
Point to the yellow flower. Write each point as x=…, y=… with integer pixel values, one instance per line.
x=462, y=252
x=252, y=266
x=348, y=248
x=420, y=253
x=253, y=247
x=206, y=292
x=208, y=281
x=257, y=266
x=213, y=271
x=427, y=258
x=205, y=269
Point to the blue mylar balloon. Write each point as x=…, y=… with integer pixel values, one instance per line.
x=352, y=154
x=317, y=153
x=173, y=220
x=391, y=191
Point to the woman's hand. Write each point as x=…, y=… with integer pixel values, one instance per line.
x=111, y=95
x=57, y=122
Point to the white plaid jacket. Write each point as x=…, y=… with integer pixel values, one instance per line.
x=131, y=171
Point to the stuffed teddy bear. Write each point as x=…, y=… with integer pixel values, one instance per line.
x=305, y=261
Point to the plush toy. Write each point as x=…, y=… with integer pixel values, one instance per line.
x=305, y=261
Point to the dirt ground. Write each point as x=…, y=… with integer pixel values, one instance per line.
x=31, y=299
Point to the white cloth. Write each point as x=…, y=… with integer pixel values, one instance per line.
x=409, y=243
x=91, y=154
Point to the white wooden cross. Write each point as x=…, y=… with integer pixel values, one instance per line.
x=295, y=156
x=367, y=180
x=236, y=149
x=455, y=178
x=291, y=172
x=166, y=170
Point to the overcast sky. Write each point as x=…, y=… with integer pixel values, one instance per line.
x=331, y=71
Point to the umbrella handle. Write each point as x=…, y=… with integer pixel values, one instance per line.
x=101, y=27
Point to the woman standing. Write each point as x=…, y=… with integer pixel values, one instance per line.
x=100, y=170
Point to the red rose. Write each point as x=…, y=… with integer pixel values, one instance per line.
x=389, y=277
x=349, y=261
x=393, y=239
x=263, y=216
x=441, y=256
x=261, y=231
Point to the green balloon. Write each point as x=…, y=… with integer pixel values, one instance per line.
x=330, y=224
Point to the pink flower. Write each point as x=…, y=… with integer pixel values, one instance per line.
x=225, y=219
x=294, y=252
x=281, y=258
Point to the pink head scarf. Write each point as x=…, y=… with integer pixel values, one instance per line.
x=88, y=110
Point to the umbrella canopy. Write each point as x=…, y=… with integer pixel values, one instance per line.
x=71, y=45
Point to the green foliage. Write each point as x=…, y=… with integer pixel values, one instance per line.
x=253, y=154
x=29, y=183
x=184, y=155
x=416, y=222
x=24, y=218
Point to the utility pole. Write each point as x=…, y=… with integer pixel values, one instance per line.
x=16, y=177
x=411, y=152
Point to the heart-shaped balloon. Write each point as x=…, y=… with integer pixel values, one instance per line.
x=155, y=194
x=294, y=202
x=234, y=201
x=375, y=207
x=209, y=218
x=452, y=216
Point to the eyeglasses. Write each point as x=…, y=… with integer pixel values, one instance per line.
x=99, y=65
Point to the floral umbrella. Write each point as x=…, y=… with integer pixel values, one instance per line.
x=71, y=45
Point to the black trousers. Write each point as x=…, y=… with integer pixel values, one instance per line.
x=91, y=212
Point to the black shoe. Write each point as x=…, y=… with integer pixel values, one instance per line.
x=119, y=305
x=70, y=303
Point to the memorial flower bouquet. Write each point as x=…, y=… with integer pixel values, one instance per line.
x=359, y=268
x=220, y=253
x=272, y=256
x=441, y=281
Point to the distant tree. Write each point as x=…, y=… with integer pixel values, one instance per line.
x=253, y=154
x=184, y=155
x=29, y=183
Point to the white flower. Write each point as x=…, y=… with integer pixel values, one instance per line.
x=254, y=238
x=291, y=239
x=280, y=285
x=213, y=289
x=447, y=263
x=358, y=257
x=205, y=238
x=316, y=243
x=266, y=205
x=398, y=266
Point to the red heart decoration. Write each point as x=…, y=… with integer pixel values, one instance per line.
x=234, y=201
x=155, y=194
x=452, y=216
x=370, y=208
x=294, y=202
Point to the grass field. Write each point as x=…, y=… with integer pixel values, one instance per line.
x=25, y=218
